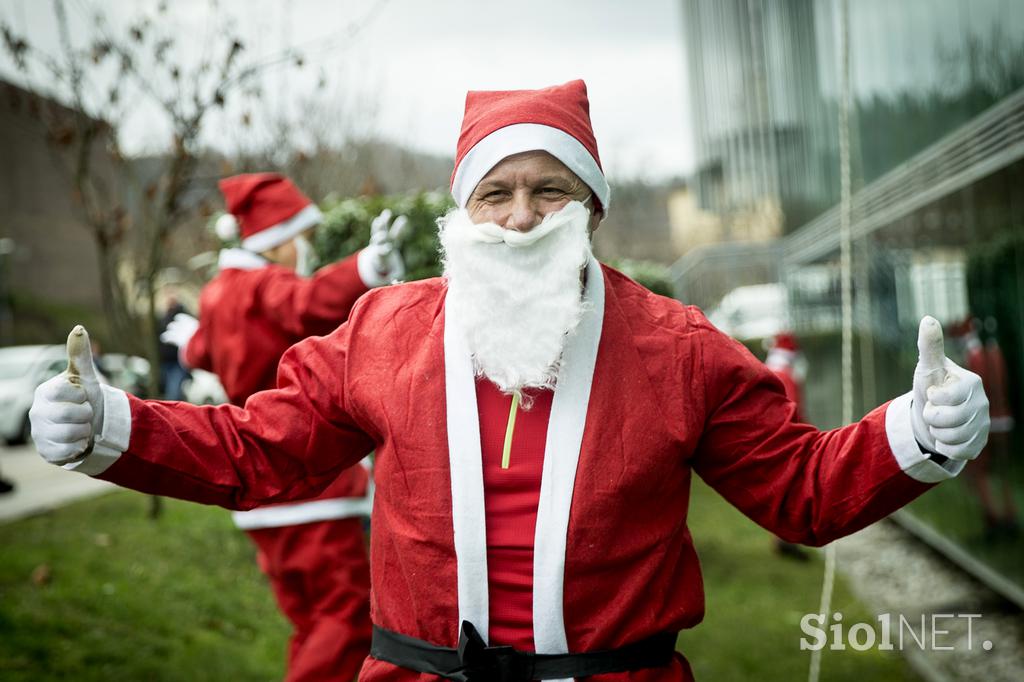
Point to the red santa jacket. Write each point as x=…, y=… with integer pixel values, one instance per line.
x=253, y=311
x=649, y=393
x=987, y=361
x=250, y=313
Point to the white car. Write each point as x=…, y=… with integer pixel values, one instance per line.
x=759, y=311
x=22, y=368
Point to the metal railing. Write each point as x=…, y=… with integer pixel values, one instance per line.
x=989, y=142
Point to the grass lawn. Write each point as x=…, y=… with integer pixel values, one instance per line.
x=180, y=598
x=131, y=599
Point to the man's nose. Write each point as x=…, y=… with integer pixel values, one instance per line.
x=523, y=214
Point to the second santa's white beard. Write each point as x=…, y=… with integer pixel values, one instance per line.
x=516, y=304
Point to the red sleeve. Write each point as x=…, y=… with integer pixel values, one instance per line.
x=285, y=444
x=311, y=306
x=803, y=484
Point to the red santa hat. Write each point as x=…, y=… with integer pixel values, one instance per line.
x=500, y=123
x=786, y=341
x=267, y=208
x=964, y=327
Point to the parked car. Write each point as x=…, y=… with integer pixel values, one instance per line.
x=126, y=372
x=22, y=369
x=759, y=311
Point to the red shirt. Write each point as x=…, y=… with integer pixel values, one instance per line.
x=510, y=501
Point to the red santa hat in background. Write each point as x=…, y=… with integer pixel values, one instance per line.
x=500, y=123
x=783, y=351
x=967, y=326
x=265, y=210
x=786, y=341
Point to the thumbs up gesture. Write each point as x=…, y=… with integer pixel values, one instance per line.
x=950, y=409
x=67, y=410
x=383, y=259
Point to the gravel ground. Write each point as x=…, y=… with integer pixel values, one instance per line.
x=892, y=572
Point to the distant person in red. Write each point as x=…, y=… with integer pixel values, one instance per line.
x=987, y=361
x=786, y=362
x=263, y=300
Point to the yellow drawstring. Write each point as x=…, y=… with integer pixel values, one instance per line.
x=506, y=452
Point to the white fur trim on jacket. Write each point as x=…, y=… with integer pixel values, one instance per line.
x=565, y=436
x=280, y=515
x=905, y=449
x=240, y=259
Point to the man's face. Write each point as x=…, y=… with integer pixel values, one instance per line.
x=522, y=189
x=516, y=291
x=287, y=254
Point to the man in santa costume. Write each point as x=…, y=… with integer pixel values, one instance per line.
x=999, y=512
x=263, y=300
x=537, y=418
x=783, y=360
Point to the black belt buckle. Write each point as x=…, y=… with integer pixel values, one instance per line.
x=482, y=663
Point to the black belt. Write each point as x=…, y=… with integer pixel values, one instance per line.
x=474, y=661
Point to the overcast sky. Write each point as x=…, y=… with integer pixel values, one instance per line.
x=413, y=62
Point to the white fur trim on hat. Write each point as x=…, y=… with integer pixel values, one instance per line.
x=226, y=227
x=528, y=137
x=283, y=231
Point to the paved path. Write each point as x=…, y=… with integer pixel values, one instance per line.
x=892, y=572
x=40, y=486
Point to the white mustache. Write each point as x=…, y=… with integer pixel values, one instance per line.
x=491, y=233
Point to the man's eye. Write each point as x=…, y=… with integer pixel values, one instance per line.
x=494, y=195
x=552, y=192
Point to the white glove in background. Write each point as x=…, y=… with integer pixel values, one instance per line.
x=381, y=261
x=950, y=409
x=67, y=410
x=180, y=330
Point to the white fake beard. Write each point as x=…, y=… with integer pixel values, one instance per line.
x=516, y=295
x=305, y=262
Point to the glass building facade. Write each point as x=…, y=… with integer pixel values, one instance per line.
x=936, y=130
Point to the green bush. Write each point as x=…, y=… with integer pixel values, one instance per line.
x=654, y=276
x=346, y=228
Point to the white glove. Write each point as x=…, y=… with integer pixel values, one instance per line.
x=180, y=330
x=381, y=261
x=950, y=410
x=67, y=411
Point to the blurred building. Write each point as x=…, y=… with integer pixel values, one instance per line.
x=37, y=204
x=638, y=225
x=757, y=110
x=936, y=131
